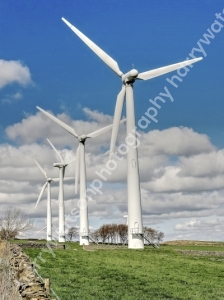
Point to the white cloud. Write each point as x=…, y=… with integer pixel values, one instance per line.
x=12, y=98
x=13, y=72
x=181, y=205
x=207, y=229
x=17, y=164
x=173, y=180
x=17, y=95
x=190, y=186
x=95, y=115
x=203, y=165
x=198, y=224
x=179, y=141
x=36, y=128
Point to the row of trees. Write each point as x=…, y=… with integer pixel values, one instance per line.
x=15, y=223
x=111, y=233
x=117, y=234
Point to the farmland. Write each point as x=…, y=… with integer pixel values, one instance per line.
x=134, y=274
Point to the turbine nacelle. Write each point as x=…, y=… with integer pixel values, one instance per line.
x=60, y=165
x=130, y=76
x=82, y=138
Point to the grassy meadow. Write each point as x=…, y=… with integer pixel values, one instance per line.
x=126, y=274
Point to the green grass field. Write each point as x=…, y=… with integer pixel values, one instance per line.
x=133, y=274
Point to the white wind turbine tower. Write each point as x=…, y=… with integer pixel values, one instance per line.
x=61, y=166
x=48, y=185
x=135, y=233
x=80, y=172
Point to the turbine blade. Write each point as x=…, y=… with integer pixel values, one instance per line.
x=117, y=117
x=55, y=179
x=63, y=172
x=41, y=193
x=160, y=71
x=41, y=229
x=40, y=168
x=77, y=169
x=55, y=150
x=102, y=130
x=68, y=178
x=97, y=50
x=71, y=162
x=59, y=122
x=54, y=226
x=65, y=179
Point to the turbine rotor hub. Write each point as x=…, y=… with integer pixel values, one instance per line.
x=133, y=73
x=130, y=76
x=82, y=138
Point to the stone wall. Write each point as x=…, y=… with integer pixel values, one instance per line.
x=41, y=245
x=201, y=253
x=22, y=275
x=93, y=247
x=7, y=290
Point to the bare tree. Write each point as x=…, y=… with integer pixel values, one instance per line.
x=13, y=223
x=113, y=233
x=95, y=235
x=122, y=230
x=104, y=232
x=118, y=233
x=159, y=236
x=149, y=234
x=152, y=235
x=73, y=232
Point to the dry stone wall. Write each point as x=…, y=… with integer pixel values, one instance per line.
x=23, y=276
x=201, y=253
x=41, y=245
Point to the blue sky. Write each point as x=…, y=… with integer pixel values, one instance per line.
x=146, y=34
x=67, y=77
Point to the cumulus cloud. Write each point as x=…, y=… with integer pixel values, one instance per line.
x=13, y=72
x=191, y=186
x=197, y=224
x=179, y=141
x=95, y=115
x=211, y=228
x=203, y=165
x=181, y=205
x=170, y=181
x=38, y=127
x=17, y=163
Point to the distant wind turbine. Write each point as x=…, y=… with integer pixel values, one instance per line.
x=48, y=185
x=61, y=166
x=126, y=216
x=46, y=227
x=80, y=171
x=135, y=228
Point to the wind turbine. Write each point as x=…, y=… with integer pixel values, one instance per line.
x=135, y=232
x=126, y=216
x=52, y=225
x=48, y=185
x=80, y=171
x=61, y=166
